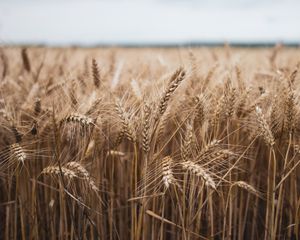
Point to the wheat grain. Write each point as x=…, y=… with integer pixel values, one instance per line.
x=18, y=152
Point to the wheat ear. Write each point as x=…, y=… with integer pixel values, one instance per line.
x=199, y=172
x=175, y=80
x=264, y=128
x=80, y=171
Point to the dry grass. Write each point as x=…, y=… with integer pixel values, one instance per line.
x=149, y=143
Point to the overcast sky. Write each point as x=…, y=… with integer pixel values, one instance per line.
x=153, y=21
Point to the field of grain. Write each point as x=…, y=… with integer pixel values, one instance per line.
x=142, y=143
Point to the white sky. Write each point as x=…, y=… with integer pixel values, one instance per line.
x=153, y=21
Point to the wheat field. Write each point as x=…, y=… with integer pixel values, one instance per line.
x=149, y=143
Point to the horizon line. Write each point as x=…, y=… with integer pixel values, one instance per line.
x=158, y=44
